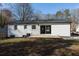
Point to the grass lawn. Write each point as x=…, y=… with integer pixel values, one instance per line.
x=40, y=47
x=13, y=40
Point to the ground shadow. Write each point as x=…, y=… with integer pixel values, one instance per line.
x=41, y=47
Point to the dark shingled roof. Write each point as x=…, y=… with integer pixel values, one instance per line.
x=37, y=22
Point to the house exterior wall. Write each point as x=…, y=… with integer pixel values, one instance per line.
x=18, y=33
x=61, y=29
x=56, y=29
x=21, y=31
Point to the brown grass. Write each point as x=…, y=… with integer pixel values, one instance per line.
x=40, y=47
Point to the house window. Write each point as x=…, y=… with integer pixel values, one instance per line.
x=48, y=29
x=15, y=27
x=25, y=26
x=33, y=27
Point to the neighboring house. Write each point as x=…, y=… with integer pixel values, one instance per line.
x=39, y=27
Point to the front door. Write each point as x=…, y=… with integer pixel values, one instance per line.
x=45, y=29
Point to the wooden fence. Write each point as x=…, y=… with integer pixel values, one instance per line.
x=2, y=35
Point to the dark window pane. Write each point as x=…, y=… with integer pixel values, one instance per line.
x=12, y=36
x=45, y=29
x=15, y=27
x=48, y=29
x=42, y=29
x=33, y=27
x=25, y=26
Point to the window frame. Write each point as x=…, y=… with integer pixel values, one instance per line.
x=25, y=26
x=33, y=26
x=15, y=27
x=46, y=29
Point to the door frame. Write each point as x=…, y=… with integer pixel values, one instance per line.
x=45, y=28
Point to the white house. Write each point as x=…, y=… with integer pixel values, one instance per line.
x=39, y=27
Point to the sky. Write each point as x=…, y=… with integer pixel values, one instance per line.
x=51, y=8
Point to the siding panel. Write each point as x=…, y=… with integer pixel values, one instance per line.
x=61, y=29
x=56, y=29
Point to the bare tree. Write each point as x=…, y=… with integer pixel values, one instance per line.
x=74, y=19
x=23, y=11
x=5, y=17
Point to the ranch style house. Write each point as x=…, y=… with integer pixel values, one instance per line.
x=38, y=27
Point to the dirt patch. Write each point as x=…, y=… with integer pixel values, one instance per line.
x=74, y=47
x=38, y=48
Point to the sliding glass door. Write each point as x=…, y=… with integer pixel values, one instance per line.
x=45, y=29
